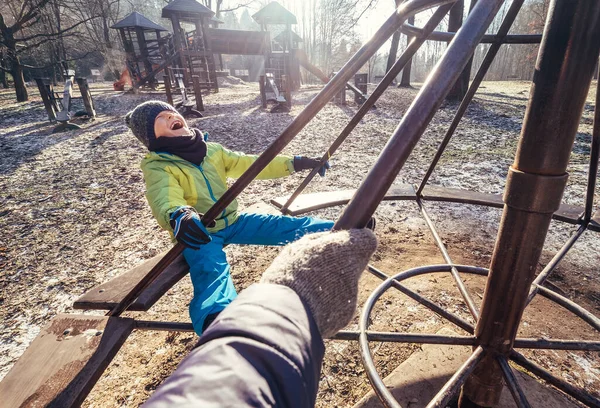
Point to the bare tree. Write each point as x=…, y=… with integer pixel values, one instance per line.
x=20, y=33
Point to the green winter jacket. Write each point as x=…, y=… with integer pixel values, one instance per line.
x=172, y=182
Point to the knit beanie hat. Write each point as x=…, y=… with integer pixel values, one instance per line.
x=141, y=120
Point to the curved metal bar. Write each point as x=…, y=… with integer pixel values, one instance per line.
x=571, y=306
x=551, y=266
x=557, y=344
x=378, y=386
x=450, y=389
x=575, y=392
x=389, y=77
x=453, y=271
x=434, y=307
x=508, y=21
x=512, y=383
x=446, y=36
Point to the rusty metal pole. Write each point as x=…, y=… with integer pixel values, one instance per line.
x=535, y=183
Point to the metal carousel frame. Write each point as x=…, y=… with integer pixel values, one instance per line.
x=570, y=46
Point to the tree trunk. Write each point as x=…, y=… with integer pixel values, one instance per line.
x=461, y=85
x=394, y=46
x=17, y=74
x=16, y=69
x=405, y=81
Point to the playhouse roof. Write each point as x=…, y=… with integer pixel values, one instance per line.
x=214, y=19
x=274, y=13
x=190, y=7
x=135, y=19
x=283, y=36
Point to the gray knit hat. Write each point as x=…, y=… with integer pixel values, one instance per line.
x=141, y=120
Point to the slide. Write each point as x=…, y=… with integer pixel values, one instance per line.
x=313, y=69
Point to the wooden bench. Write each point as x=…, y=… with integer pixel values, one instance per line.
x=315, y=201
x=64, y=361
x=107, y=295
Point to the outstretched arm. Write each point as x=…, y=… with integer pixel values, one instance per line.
x=265, y=348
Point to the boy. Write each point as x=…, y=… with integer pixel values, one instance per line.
x=184, y=177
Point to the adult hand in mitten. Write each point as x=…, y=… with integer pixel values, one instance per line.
x=188, y=228
x=323, y=269
x=306, y=163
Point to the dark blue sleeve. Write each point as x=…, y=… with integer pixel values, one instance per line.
x=263, y=350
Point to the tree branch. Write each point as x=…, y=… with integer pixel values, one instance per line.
x=56, y=62
x=58, y=33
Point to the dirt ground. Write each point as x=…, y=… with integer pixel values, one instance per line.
x=73, y=215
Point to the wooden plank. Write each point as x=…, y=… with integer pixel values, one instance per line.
x=438, y=193
x=64, y=361
x=566, y=213
x=315, y=201
x=595, y=223
x=107, y=295
x=262, y=208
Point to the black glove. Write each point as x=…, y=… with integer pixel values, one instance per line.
x=306, y=163
x=188, y=228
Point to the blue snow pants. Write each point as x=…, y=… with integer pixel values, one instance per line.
x=209, y=269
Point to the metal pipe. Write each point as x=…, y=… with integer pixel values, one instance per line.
x=463, y=324
x=541, y=278
x=453, y=271
x=163, y=326
x=557, y=344
x=394, y=337
x=379, y=387
x=536, y=180
x=409, y=131
x=594, y=156
x=389, y=77
x=445, y=36
x=575, y=392
x=571, y=306
x=451, y=387
x=336, y=84
x=512, y=383
x=507, y=23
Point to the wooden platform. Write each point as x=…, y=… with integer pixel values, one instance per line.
x=109, y=294
x=315, y=201
x=65, y=360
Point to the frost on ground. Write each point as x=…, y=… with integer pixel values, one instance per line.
x=73, y=215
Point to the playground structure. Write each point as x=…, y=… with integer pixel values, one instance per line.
x=191, y=51
x=59, y=109
x=77, y=348
x=142, y=42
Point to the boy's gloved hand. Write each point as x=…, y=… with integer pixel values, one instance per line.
x=188, y=228
x=323, y=269
x=306, y=163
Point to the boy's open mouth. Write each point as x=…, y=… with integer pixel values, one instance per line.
x=177, y=125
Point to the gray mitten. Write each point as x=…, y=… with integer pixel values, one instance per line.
x=323, y=269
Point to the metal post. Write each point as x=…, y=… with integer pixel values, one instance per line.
x=535, y=183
